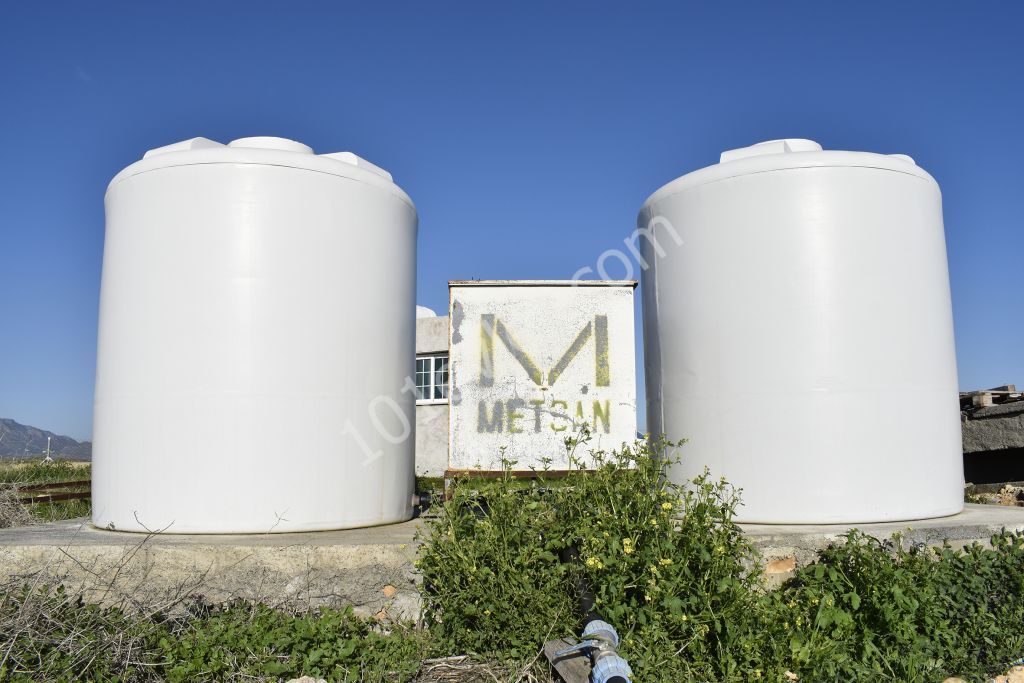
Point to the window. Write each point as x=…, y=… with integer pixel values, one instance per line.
x=432, y=379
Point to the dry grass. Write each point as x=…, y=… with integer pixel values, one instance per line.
x=15, y=474
x=49, y=631
x=466, y=669
x=12, y=512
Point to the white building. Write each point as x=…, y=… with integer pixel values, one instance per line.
x=527, y=364
x=431, y=393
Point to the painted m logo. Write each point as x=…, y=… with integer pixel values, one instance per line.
x=491, y=327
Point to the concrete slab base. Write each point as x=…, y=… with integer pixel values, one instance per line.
x=784, y=547
x=370, y=569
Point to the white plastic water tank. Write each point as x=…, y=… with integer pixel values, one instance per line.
x=798, y=331
x=255, y=341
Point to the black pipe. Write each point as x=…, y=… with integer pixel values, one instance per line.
x=585, y=597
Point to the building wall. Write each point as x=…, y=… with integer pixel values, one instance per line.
x=431, y=419
x=431, y=440
x=534, y=362
x=431, y=335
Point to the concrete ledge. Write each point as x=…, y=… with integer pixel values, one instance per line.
x=370, y=569
x=785, y=547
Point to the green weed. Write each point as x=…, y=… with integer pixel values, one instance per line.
x=669, y=569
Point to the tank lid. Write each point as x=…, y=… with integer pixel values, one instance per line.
x=266, y=151
x=771, y=147
x=786, y=154
x=283, y=144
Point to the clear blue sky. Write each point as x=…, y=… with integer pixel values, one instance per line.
x=528, y=136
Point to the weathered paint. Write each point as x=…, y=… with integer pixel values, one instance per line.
x=532, y=363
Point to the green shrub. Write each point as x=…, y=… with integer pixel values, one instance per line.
x=877, y=610
x=263, y=643
x=673, y=573
x=48, y=635
x=667, y=565
x=26, y=472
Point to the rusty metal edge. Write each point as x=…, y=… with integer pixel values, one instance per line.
x=53, y=497
x=56, y=485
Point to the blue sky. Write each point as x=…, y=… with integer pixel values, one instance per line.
x=528, y=134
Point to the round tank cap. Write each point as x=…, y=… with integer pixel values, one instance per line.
x=904, y=157
x=282, y=144
x=771, y=147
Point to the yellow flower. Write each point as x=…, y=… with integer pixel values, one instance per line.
x=654, y=522
x=665, y=562
x=686, y=618
x=647, y=597
x=487, y=612
x=592, y=562
x=666, y=506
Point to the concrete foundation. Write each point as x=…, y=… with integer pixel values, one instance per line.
x=784, y=547
x=370, y=569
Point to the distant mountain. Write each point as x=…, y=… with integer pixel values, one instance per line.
x=21, y=441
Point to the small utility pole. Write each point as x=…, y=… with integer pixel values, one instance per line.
x=48, y=458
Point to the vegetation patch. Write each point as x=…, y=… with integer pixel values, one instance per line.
x=668, y=567
x=672, y=572
x=15, y=475
x=53, y=636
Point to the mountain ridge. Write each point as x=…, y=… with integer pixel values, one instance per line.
x=24, y=441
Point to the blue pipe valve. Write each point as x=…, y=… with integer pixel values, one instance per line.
x=599, y=642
